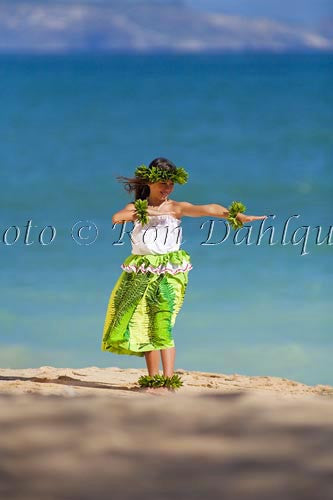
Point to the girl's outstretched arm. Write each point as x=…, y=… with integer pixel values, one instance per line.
x=185, y=208
x=212, y=209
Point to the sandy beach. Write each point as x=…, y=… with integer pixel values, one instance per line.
x=92, y=433
x=121, y=382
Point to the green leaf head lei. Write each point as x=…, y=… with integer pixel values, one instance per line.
x=157, y=174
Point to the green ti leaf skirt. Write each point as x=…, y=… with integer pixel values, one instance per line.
x=144, y=303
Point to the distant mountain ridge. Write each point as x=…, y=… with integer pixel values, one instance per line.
x=142, y=26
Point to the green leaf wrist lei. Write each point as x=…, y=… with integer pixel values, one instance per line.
x=141, y=210
x=234, y=209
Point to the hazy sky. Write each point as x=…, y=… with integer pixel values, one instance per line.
x=309, y=13
x=306, y=12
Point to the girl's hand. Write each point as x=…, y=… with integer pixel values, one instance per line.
x=249, y=218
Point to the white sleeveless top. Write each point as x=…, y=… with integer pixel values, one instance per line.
x=162, y=234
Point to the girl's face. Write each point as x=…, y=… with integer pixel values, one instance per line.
x=161, y=189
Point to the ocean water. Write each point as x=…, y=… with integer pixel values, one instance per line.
x=255, y=128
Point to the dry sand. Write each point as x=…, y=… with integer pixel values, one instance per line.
x=89, y=433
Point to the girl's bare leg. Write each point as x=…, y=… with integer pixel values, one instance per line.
x=168, y=361
x=153, y=362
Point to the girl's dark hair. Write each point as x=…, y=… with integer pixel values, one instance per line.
x=140, y=186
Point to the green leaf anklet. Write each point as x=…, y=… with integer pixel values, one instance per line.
x=234, y=209
x=141, y=209
x=158, y=380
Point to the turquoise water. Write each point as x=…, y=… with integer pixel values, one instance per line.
x=255, y=128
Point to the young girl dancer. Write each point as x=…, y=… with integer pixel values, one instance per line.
x=150, y=291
